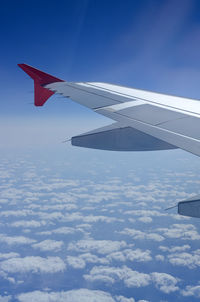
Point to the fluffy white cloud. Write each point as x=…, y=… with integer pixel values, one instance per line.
x=99, y=246
x=136, y=255
x=8, y=255
x=159, y=257
x=123, y=299
x=165, y=282
x=117, y=256
x=50, y=216
x=76, y=262
x=100, y=218
x=48, y=245
x=191, y=291
x=83, y=295
x=180, y=231
x=90, y=258
x=145, y=219
x=33, y=264
x=5, y=298
x=27, y=223
x=111, y=275
x=145, y=213
x=140, y=235
x=62, y=231
x=191, y=260
x=174, y=248
x=16, y=213
x=12, y=240
x=137, y=279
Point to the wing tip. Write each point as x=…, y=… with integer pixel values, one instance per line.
x=41, y=94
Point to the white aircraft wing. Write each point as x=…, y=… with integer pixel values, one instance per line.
x=144, y=120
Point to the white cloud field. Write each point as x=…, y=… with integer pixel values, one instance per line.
x=92, y=226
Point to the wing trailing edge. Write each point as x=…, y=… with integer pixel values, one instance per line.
x=40, y=78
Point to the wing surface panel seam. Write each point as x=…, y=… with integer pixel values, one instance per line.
x=94, y=93
x=150, y=91
x=162, y=129
x=133, y=98
x=153, y=102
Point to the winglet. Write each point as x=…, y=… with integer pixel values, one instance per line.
x=40, y=78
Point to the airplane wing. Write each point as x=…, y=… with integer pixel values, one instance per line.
x=144, y=120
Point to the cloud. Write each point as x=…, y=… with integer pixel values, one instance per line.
x=165, y=282
x=137, y=279
x=159, y=257
x=191, y=291
x=83, y=295
x=16, y=213
x=145, y=213
x=27, y=224
x=5, y=298
x=33, y=264
x=145, y=219
x=15, y=240
x=110, y=275
x=61, y=230
x=180, y=231
x=191, y=260
x=50, y=216
x=123, y=299
x=117, y=256
x=48, y=245
x=140, y=235
x=174, y=248
x=75, y=262
x=65, y=230
x=67, y=221
x=99, y=246
x=8, y=255
x=90, y=258
x=136, y=255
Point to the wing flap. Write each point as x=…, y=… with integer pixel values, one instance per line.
x=116, y=137
x=171, y=137
x=190, y=207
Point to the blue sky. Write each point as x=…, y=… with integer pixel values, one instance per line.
x=149, y=44
x=144, y=44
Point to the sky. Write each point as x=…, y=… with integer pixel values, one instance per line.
x=153, y=45
x=87, y=225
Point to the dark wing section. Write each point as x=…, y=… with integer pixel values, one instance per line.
x=117, y=138
x=190, y=207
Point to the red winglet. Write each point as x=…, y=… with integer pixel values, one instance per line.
x=40, y=79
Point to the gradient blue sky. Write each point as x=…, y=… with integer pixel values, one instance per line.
x=146, y=44
x=112, y=196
